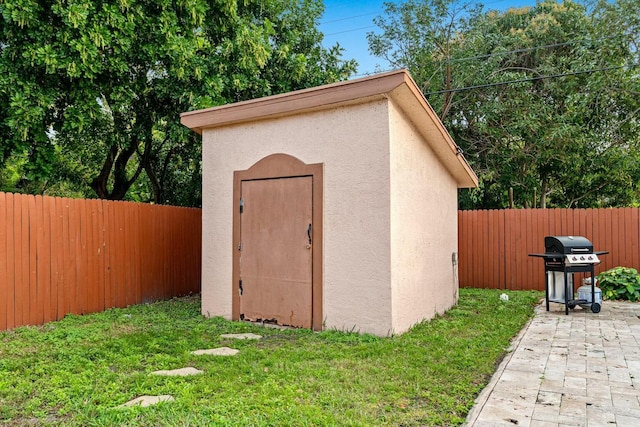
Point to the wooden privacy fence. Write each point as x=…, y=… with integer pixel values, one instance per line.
x=494, y=244
x=60, y=256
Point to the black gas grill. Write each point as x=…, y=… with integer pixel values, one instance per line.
x=564, y=256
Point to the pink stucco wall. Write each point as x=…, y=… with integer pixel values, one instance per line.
x=424, y=232
x=352, y=144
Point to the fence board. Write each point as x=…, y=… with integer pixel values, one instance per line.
x=71, y=263
x=508, y=250
x=626, y=240
x=194, y=251
x=530, y=247
x=61, y=256
x=177, y=271
x=461, y=244
x=33, y=309
x=83, y=273
x=514, y=228
x=166, y=252
x=581, y=215
x=87, y=251
x=473, y=256
x=90, y=253
x=143, y=242
x=462, y=247
x=520, y=243
x=158, y=290
x=501, y=250
x=68, y=275
x=149, y=224
x=11, y=261
x=493, y=245
x=519, y=232
x=132, y=289
x=162, y=277
x=42, y=258
x=615, y=241
x=538, y=278
x=4, y=280
x=57, y=253
x=17, y=255
x=109, y=281
x=100, y=242
x=633, y=233
x=128, y=285
x=121, y=249
x=481, y=246
x=604, y=233
x=22, y=247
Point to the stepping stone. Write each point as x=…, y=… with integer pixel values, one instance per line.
x=145, y=401
x=248, y=336
x=182, y=372
x=222, y=351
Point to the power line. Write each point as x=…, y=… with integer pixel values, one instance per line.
x=509, y=52
x=347, y=18
x=529, y=49
x=552, y=76
x=378, y=11
x=350, y=31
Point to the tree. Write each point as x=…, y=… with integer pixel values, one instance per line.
x=542, y=100
x=100, y=85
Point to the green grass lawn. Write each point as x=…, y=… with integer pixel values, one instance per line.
x=76, y=371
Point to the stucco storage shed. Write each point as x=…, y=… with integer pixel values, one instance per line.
x=330, y=207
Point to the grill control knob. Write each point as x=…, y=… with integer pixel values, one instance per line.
x=581, y=258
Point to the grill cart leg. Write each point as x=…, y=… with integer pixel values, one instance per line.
x=566, y=294
x=546, y=289
x=595, y=307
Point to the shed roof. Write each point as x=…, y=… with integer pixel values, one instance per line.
x=396, y=85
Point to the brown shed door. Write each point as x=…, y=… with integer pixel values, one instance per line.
x=276, y=252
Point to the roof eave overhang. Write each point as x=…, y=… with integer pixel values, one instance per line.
x=297, y=102
x=397, y=85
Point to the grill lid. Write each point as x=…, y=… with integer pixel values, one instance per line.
x=567, y=245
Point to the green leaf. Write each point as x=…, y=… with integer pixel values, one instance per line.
x=547, y=139
x=106, y=82
x=620, y=283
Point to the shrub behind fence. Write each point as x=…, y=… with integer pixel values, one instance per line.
x=494, y=244
x=60, y=256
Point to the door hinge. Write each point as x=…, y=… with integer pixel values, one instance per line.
x=240, y=290
x=241, y=205
x=240, y=246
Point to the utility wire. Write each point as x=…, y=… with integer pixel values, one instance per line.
x=350, y=31
x=347, y=18
x=509, y=52
x=529, y=49
x=378, y=11
x=552, y=76
x=466, y=58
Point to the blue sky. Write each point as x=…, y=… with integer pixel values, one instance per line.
x=348, y=22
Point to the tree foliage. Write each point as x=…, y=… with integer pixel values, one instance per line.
x=91, y=91
x=541, y=99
